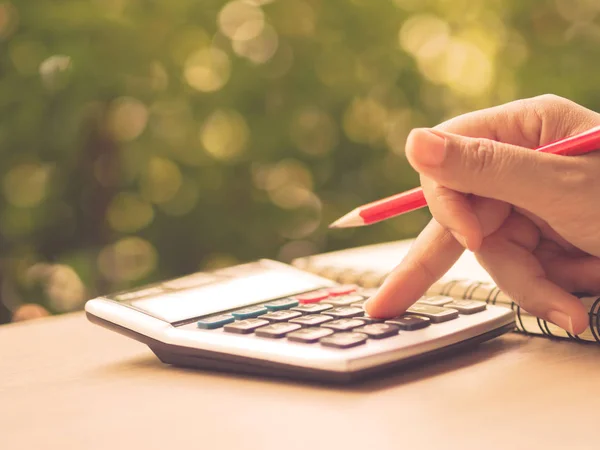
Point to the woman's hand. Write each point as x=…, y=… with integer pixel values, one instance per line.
x=532, y=219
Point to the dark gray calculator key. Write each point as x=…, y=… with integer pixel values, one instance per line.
x=284, y=303
x=249, y=312
x=312, y=320
x=212, y=322
x=467, y=306
x=435, y=300
x=435, y=313
x=245, y=326
x=378, y=330
x=345, y=300
x=345, y=312
x=312, y=308
x=409, y=322
x=344, y=340
x=309, y=335
x=343, y=324
x=369, y=319
x=280, y=316
x=277, y=330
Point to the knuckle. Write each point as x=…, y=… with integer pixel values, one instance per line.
x=548, y=99
x=555, y=112
x=481, y=156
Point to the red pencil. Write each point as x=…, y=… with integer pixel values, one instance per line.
x=404, y=202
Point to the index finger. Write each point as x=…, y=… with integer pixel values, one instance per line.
x=431, y=255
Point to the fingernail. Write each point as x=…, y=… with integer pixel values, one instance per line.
x=432, y=148
x=562, y=320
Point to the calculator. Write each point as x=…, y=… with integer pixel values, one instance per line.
x=269, y=318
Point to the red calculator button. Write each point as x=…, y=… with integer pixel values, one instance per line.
x=343, y=290
x=312, y=297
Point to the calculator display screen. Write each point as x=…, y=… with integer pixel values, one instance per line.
x=203, y=294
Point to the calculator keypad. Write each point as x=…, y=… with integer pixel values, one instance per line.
x=409, y=322
x=284, y=303
x=345, y=312
x=436, y=300
x=378, y=330
x=345, y=300
x=277, y=330
x=369, y=319
x=312, y=320
x=245, y=326
x=467, y=306
x=309, y=335
x=437, y=314
x=280, y=316
x=312, y=297
x=312, y=308
x=344, y=340
x=249, y=312
x=343, y=324
x=212, y=322
x=359, y=304
x=334, y=318
x=342, y=290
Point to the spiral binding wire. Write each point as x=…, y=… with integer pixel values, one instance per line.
x=595, y=313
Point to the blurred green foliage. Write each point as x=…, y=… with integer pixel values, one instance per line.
x=144, y=139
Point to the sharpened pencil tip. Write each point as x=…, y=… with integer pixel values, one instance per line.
x=350, y=220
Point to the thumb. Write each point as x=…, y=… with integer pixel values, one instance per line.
x=492, y=169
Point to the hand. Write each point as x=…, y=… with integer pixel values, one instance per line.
x=532, y=219
x=29, y=311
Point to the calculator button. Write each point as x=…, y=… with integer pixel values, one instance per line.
x=312, y=297
x=359, y=304
x=345, y=311
x=342, y=290
x=212, y=322
x=309, y=335
x=344, y=340
x=277, y=330
x=245, y=326
x=280, y=316
x=369, y=319
x=312, y=308
x=250, y=312
x=467, y=306
x=343, y=324
x=378, y=330
x=284, y=303
x=435, y=300
x=435, y=313
x=345, y=300
x=312, y=320
x=368, y=292
x=409, y=322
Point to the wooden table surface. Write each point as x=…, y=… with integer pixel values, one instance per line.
x=68, y=384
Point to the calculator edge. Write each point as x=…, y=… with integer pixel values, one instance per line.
x=151, y=331
x=173, y=355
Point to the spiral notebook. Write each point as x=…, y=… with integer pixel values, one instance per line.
x=368, y=266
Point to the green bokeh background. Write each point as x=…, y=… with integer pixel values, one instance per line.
x=141, y=140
